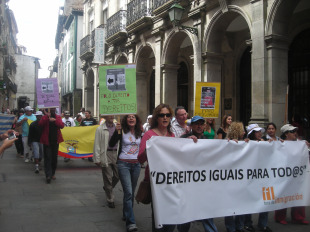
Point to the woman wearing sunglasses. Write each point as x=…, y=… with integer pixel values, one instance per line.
x=160, y=126
x=128, y=165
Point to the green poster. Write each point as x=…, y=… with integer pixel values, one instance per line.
x=117, y=87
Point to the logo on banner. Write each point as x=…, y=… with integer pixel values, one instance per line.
x=268, y=195
x=71, y=145
x=270, y=198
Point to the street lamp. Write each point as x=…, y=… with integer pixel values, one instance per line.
x=175, y=15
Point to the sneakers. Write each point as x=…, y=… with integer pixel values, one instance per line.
x=36, y=170
x=132, y=227
x=48, y=180
x=26, y=160
x=283, y=222
x=249, y=228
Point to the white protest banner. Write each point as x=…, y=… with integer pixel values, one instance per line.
x=215, y=178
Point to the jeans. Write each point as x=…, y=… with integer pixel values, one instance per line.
x=233, y=225
x=37, y=150
x=262, y=220
x=209, y=225
x=128, y=175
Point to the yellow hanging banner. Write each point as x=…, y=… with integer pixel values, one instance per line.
x=207, y=99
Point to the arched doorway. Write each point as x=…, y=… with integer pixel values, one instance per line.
x=145, y=61
x=89, y=90
x=245, y=87
x=178, y=77
x=182, y=83
x=299, y=80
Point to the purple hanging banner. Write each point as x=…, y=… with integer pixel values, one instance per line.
x=47, y=93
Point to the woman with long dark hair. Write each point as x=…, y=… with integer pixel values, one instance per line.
x=128, y=164
x=160, y=126
x=222, y=131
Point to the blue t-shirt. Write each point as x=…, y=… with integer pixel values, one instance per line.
x=25, y=125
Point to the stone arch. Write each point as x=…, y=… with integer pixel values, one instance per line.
x=180, y=45
x=224, y=42
x=218, y=25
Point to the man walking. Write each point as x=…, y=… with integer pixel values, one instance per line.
x=50, y=138
x=25, y=120
x=88, y=121
x=34, y=137
x=178, y=126
x=68, y=122
x=106, y=157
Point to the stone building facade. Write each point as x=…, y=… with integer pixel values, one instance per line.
x=256, y=49
x=67, y=64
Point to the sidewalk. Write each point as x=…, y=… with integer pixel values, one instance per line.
x=75, y=201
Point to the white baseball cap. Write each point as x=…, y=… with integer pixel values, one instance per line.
x=287, y=127
x=254, y=127
x=39, y=113
x=28, y=108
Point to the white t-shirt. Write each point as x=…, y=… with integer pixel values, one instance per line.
x=130, y=147
x=68, y=122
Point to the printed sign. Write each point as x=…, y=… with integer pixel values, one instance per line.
x=117, y=86
x=207, y=99
x=99, y=46
x=47, y=93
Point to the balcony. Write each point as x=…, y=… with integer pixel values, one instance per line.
x=116, y=27
x=160, y=7
x=85, y=48
x=138, y=15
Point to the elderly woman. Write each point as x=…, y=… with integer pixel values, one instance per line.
x=128, y=165
x=160, y=126
x=255, y=132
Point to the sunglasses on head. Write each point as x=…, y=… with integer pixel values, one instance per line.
x=292, y=131
x=163, y=115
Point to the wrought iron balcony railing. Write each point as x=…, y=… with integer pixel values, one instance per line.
x=138, y=9
x=158, y=3
x=116, y=23
x=85, y=45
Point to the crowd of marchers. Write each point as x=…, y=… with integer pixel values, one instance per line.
x=120, y=152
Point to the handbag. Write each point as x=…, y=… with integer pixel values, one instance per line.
x=144, y=194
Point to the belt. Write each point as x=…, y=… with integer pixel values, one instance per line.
x=111, y=149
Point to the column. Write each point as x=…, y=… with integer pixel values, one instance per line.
x=170, y=84
x=277, y=50
x=259, y=64
x=158, y=54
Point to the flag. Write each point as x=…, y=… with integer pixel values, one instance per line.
x=6, y=121
x=78, y=142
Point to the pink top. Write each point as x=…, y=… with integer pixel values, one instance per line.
x=142, y=157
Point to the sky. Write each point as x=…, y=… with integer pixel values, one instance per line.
x=37, y=23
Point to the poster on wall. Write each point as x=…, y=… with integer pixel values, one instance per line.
x=117, y=86
x=207, y=99
x=47, y=93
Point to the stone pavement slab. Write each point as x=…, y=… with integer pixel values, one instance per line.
x=75, y=201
